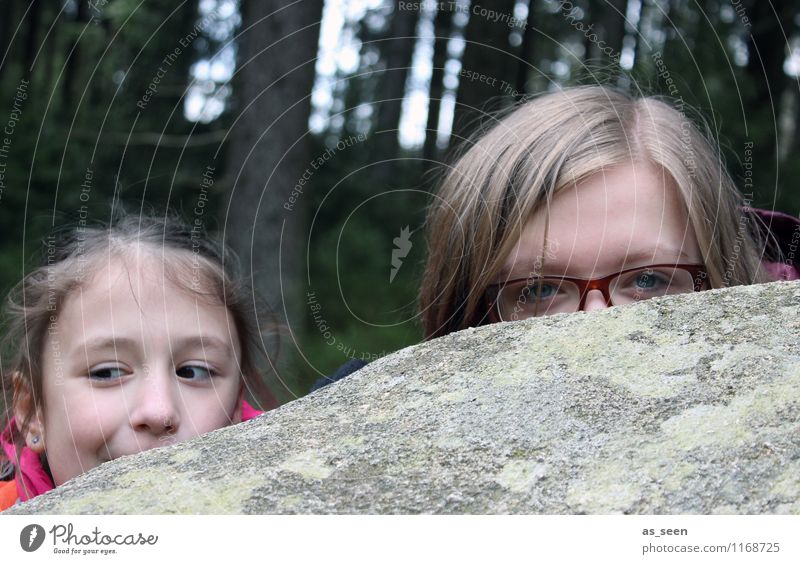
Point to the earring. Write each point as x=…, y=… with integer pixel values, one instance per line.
x=35, y=440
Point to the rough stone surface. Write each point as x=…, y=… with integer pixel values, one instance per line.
x=687, y=404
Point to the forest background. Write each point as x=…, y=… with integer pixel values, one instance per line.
x=309, y=135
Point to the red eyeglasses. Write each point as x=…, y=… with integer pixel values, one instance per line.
x=537, y=296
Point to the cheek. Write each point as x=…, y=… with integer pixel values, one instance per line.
x=72, y=443
x=212, y=410
x=80, y=428
x=77, y=422
x=77, y=427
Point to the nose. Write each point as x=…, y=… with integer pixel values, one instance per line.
x=155, y=407
x=594, y=301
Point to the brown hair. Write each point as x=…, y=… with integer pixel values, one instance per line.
x=504, y=175
x=191, y=260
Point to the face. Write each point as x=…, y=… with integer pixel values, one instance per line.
x=622, y=217
x=132, y=363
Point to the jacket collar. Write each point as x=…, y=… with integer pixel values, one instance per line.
x=31, y=477
x=782, y=234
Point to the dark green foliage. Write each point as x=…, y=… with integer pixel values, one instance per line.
x=83, y=145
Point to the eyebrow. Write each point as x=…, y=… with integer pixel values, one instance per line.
x=104, y=343
x=640, y=255
x=205, y=342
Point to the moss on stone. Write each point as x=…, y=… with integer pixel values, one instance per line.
x=686, y=404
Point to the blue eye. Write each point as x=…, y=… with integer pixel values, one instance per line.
x=546, y=291
x=107, y=373
x=646, y=281
x=194, y=372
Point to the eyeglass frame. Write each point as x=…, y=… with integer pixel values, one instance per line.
x=698, y=272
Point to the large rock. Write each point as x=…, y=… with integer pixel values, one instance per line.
x=688, y=404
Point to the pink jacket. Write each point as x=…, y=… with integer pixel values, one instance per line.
x=785, y=229
x=31, y=472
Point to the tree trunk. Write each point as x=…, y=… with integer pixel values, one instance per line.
x=487, y=53
x=610, y=26
x=442, y=25
x=645, y=46
x=73, y=62
x=8, y=24
x=766, y=53
x=398, y=48
x=526, y=51
x=270, y=149
x=766, y=47
x=31, y=38
x=795, y=148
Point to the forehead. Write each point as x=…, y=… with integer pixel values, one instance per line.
x=144, y=266
x=614, y=217
x=144, y=287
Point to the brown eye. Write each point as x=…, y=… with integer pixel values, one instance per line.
x=194, y=372
x=106, y=373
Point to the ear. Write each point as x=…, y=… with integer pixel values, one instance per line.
x=24, y=406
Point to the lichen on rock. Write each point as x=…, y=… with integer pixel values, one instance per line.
x=683, y=404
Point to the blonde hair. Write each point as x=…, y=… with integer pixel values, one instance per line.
x=515, y=168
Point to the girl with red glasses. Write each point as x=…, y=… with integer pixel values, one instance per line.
x=587, y=198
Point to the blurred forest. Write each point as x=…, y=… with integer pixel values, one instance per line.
x=308, y=134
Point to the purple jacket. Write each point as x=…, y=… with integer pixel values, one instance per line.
x=782, y=232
